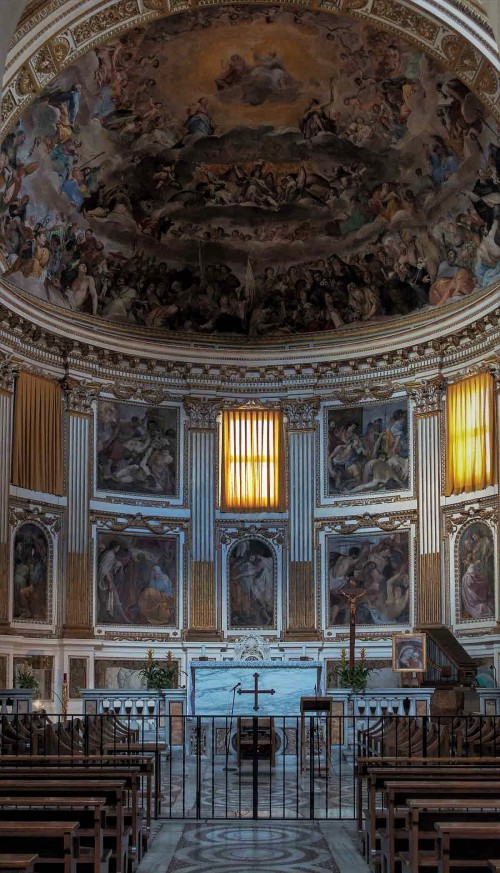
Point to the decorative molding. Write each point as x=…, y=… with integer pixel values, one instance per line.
x=151, y=394
x=8, y=372
x=80, y=394
x=146, y=637
x=388, y=523
x=24, y=514
x=427, y=394
x=368, y=391
x=120, y=523
x=202, y=413
x=274, y=534
x=456, y=518
x=300, y=414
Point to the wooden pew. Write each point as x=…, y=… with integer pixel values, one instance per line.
x=398, y=793
x=131, y=775
x=18, y=862
x=145, y=763
x=494, y=866
x=113, y=792
x=378, y=776
x=422, y=817
x=90, y=815
x=474, y=841
x=62, y=837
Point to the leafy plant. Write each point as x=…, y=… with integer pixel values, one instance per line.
x=354, y=677
x=159, y=675
x=25, y=678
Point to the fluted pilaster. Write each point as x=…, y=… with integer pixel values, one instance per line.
x=300, y=426
x=7, y=376
x=429, y=586
x=202, y=581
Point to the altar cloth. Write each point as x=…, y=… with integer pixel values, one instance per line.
x=212, y=683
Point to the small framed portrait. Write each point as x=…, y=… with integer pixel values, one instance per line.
x=409, y=654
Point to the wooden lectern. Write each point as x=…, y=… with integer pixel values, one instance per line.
x=315, y=706
x=266, y=739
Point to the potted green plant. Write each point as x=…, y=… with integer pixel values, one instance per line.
x=25, y=678
x=158, y=675
x=355, y=676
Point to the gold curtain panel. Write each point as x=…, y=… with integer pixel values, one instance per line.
x=252, y=460
x=37, y=455
x=471, y=426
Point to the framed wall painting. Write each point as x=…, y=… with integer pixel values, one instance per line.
x=119, y=674
x=32, y=571
x=475, y=566
x=366, y=450
x=78, y=670
x=409, y=653
x=137, y=579
x=137, y=449
x=251, y=562
x=379, y=564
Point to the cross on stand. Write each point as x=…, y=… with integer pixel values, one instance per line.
x=353, y=594
x=256, y=691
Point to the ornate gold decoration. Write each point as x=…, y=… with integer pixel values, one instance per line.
x=229, y=535
x=301, y=596
x=202, y=413
x=150, y=394
x=60, y=49
x=356, y=393
x=457, y=517
x=77, y=599
x=21, y=514
x=109, y=521
x=428, y=589
x=300, y=414
x=25, y=84
x=154, y=5
x=486, y=80
x=427, y=394
x=80, y=394
x=8, y=105
x=44, y=62
x=104, y=20
x=452, y=45
x=388, y=523
x=405, y=18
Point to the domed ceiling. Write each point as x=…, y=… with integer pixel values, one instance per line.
x=252, y=171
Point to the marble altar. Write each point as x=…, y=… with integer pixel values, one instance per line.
x=212, y=684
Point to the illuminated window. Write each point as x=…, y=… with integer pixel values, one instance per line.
x=471, y=454
x=252, y=460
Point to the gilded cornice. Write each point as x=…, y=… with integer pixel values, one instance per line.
x=33, y=64
x=427, y=394
x=389, y=523
x=118, y=523
x=300, y=414
x=202, y=413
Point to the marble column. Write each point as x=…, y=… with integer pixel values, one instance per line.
x=203, y=622
x=78, y=593
x=427, y=396
x=300, y=427
x=7, y=380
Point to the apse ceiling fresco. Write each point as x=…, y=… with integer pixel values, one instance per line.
x=252, y=171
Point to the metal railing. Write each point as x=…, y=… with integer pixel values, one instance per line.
x=279, y=767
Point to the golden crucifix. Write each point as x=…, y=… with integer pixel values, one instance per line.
x=353, y=594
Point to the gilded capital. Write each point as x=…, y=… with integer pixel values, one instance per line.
x=300, y=414
x=427, y=394
x=202, y=413
x=80, y=394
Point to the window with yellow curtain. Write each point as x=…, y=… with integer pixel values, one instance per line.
x=252, y=460
x=471, y=447
x=37, y=451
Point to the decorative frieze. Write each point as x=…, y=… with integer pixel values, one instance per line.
x=80, y=395
x=300, y=414
x=202, y=414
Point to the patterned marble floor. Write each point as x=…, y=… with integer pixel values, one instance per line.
x=283, y=792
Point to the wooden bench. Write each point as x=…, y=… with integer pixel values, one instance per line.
x=61, y=837
x=375, y=817
x=421, y=820
x=91, y=812
x=131, y=775
x=10, y=863
x=113, y=792
x=475, y=841
x=494, y=866
x=398, y=793
x=144, y=762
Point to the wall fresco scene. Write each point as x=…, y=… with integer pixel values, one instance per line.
x=252, y=585
x=252, y=171
x=137, y=448
x=476, y=554
x=136, y=579
x=375, y=567
x=367, y=448
x=30, y=589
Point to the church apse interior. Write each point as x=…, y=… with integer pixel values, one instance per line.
x=250, y=370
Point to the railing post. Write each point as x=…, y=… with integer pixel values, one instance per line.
x=255, y=767
x=311, y=766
